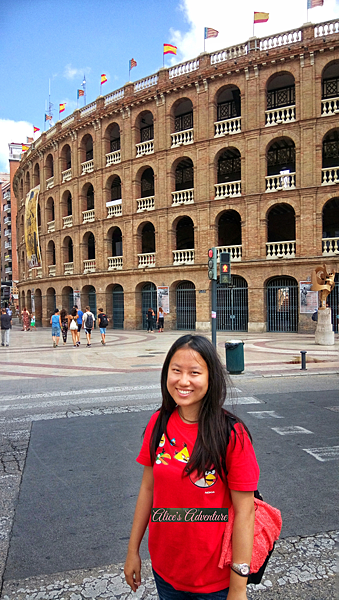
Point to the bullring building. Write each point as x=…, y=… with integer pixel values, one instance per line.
x=237, y=149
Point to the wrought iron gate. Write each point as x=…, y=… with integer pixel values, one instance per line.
x=282, y=304
x=118, y=307
x=149, y=300
x=232, y=305
x=333, y=302
x=92, y=302
x=186, y=305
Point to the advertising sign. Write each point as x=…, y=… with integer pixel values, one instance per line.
x=31, y=229
x=309, y=302
x=163, y=298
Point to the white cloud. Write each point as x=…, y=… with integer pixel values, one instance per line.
x=71, y=72
x=12, y=131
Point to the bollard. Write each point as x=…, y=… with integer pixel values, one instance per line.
x=303, y=359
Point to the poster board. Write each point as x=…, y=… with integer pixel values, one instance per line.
x=309, y=301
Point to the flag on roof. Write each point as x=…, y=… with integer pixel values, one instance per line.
x=210, y=33
x=314, y=3
x=169, y=49
x=35, y=129
x=80, y=93
x=48, y=117
x=132, y=63
x=24, y=148
x=62, y=107
x=261, y=17
x=103, y=78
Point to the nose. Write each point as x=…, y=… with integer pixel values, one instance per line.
x=184, y=379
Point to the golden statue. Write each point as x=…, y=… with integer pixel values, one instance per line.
x=322, y=281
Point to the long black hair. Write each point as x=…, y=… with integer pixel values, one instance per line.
x=215, y=424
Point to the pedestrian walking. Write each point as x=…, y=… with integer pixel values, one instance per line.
x=197, y=455
x=161, y=320
x=88, y=321
x=64, y=325
x=26, y=319
x=6, y=322
x=56, y=327
x=150, y=317
x=73, y=326
x=33, y=321
x=103, y=322
x=79, y=323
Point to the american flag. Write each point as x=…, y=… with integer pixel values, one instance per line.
x=132, y=63
x=314, y=3
x=209, y=32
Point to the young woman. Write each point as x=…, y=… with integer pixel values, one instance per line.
x=161, y=320
x=26, y=317
x=196, y=455
x=73, y=326
x=56, y=327
x=64, y=325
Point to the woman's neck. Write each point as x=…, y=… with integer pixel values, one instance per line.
x=188, y=417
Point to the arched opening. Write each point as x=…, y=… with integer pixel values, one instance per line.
x=282, y=304
x=182, y=123
x=88, y=298
x=330, y=88
x=116, y=188
x=148, y=300
x=87, y=148
x=147, y=183
x=330, y=241
x=36, y=175
x=280, y=165
x=49, y=167
x=66, y=160
x=148, y=238
x=146, y=127
x=51, y=253
x=39, y=214
x=186, y=305
x=118, y=307
x=113, y=138
x=27, y=183
x=67, y=298
x=229, y=166
x=29, y=301
x=90, y=197
x=229, y=230
x=90, y=247
x=330, y=156
x=38, y=307
x=280, y=91
x=280, y=232
x=50, y=210
x=185, y=234
x=67, y=250
x=116, y=242
x=232, y=305
x=228, y=103
x=51, y=302
x=184, y=175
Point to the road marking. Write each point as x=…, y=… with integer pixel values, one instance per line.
x=78, y=392
x=291, y=429
x=334, y=408
x=324, y=454
x=263, y=414
x=242, y=400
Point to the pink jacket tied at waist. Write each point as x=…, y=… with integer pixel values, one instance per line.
x=267, y=527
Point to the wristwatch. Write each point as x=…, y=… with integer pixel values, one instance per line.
x=242, y=569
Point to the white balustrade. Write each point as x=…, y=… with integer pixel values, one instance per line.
x=183, y=197
x=145, y=148
x=330, y=176
x=7, y=207
x=7, y=195
x=326, y=28
x=66, y=175
x=49, y=133
x=52, y=270
x=183, y=257
x=8, y=245
x=114, y=211
x=330, y=246
x=68, y=221
x=113, y=158
x=182, y=138
x=229, y=54
x=87, y=167
x=88, y=215
x=183, y=68
x=146, y=260
x=227, y=127
x=280, y=182
x=329, y=107
x=67, y=121
x=280, y=250
x=39, y=272
x=114, y=263
x=8, y=269
x=30, y=274
x=227, y=190
x=69, y=268
x=51, y=227
x=281, y=39
x=276, y=116
x=7, y=221
x=143, y=84
x=118, y=95
x=89, y=266
x=8, y=233
x=87, y=110
x=49, y=183
x=234, y=251
x=145, y=204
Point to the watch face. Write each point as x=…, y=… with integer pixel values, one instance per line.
x=244, y=570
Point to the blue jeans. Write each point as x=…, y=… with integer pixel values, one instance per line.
x=167, y=592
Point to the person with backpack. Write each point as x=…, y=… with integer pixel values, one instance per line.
x=103, y=322
x=88, y=321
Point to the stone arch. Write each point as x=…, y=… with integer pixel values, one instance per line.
x=228, y=165
x=50, y=210
x=50, y=254
x=88, y=243
x=49, y=166
x=67, y=249
x=227, y=103
x=112, y=138
x=36, y=175
x=66, y=158
x=86, y=148
x=229, y=228
x=184, y=233
x=144, y=126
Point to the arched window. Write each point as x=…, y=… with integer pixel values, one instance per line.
x=148, y=239
x=116, y=189
x=147, y=183
x=69, y=204
x=90, y=197
x=280, y=232
x=49, y=167
x=36, y=175
x=117, y=242
x=70, y=250
x=91, y=247
x=50, y=210
x=66, y=159
x=185, y=234
x=228, y=103
x=280, y=91
x=183, y=115
x=330, y=168
x=229, y=230
x=331, y=228
x=229, y=166
x=184, y=175
x=114, y=138
x=330, y=84
x=89, y=148
x=281, y=165
x=146, y=127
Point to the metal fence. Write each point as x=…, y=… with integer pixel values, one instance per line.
x=118, y=307
x=186, y=306
x=282, y=304
x=333, y=302
x=232, y=305
x=148, y=300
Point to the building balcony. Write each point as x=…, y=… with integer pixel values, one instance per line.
x=183, y=257
x=183, y=197
x=275, y=183
x=182, y=138
x=329, y=107
x=330, y=246
x=88, y=216
x=330, y=176
x=227, y=190
x=114, y=208
x=280, y=250
x=8, y=270
x=235, y=252
x=145, y=204
x=67, y=221
x=8, y=233
x=7, y=221
x=87, y=167
x=8, y=245
x=7, y=195
x=115, y=263
x=227, y=127
x=30, y=274
x=50, y=226
x=113, y=158
x=7, y=207
x=145, y=148
x=39, y=272
x=68, y=268
x=66, y=175
x=146, y=260
x=276, y=116
x=51, y=270
x=49, y=183
x=89, y=266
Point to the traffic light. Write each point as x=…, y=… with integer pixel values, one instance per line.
x=212, y=264
x=225, y=267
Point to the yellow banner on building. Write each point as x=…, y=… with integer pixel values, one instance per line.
x=31, y=229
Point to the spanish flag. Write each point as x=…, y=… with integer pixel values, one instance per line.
x=62, y=107
x=35, y=129
x=24, y=148
x=103, y=78
x=261, y=17
x=169, y=49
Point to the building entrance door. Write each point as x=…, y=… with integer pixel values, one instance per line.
x=232, y=305
x=282, y=304
x=149, y=300
x=186, y=305
x=118, y=307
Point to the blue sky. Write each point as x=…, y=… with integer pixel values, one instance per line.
x=62, y=40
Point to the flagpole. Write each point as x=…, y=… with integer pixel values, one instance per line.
x=84, y=88
x=204, y=40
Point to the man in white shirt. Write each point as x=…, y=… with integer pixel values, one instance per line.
x=88, y=321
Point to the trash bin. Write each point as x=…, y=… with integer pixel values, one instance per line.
x=234, y=356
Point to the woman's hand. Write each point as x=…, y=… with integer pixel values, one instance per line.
x=132, y=570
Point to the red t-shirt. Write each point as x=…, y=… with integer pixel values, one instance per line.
x=186, y=554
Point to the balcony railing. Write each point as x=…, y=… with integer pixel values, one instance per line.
x=145, y=204
x=234, y=251
x=52, y=270
x=279, y=182
x=49, y=183
x=89, y=266
x=330, y=246
x=113, y=158
x=183, y=257
x=7, y=221
x=69, y=268
x=276, y=116
x=280, y=250
x=7, y=195
x=30, y=274
x=227, y=190
x=8, y=270
x=39, y=272
x=87, y=167
x=329, y=107
x=330, y=176
x=146, y=260
x=227, y=127
x=66, y=175
x=114, y=211
x=88, y=215
x=7, y=207
x=183, y=197
x=8, y=233
x=50, y=226
x=115, y=263
x=182, y=138
x=8, y=245
x=145, y=148
x=68, y=221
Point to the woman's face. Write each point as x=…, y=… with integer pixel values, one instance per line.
x=187, y=379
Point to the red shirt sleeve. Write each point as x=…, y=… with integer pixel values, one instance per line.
x=241, y=463
x=144, y=457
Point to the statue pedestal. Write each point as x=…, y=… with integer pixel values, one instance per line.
x=324, y=334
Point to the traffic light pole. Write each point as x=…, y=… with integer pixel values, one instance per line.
x=214, y=312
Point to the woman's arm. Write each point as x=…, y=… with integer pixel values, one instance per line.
x=242, y=540
x=141, y=517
